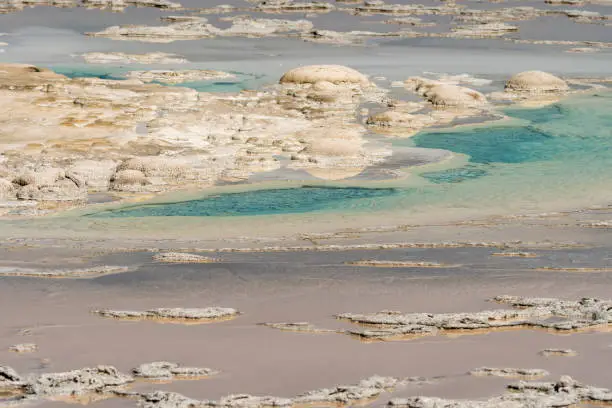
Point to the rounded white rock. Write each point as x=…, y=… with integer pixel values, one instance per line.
x=335, y=74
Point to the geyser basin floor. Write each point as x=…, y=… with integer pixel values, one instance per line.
x=297, y=287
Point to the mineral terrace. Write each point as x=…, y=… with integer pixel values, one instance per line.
x=63, y=139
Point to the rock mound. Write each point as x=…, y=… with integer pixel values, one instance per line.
x=9, y=379
x=536, y=82
x=153, y=166
x=128, y=180
x=94, y=174
x=454, y=96
x=445, y=95
x=49, y=184
x=400, y=121
x=335, y=74
x=150, y=173
x=7, y=190
x=563, y=393
x=27, y=77
x=78, y=382
x=393, y=118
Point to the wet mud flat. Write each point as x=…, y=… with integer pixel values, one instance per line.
x=309, y=290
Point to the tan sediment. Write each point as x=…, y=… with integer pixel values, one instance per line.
x=298, y=327
x=24, y=348
x=404, y=337
x=571, y=269
x=597, y=224
x=400, y=245
x=402, y=264
x=558, y=353
x=86, y=273
x=516, y=254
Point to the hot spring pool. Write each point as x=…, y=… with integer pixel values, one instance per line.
x=561, y=152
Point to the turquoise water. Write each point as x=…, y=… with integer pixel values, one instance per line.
x=91, y=72
x=261, y=202
x=558, y=153
x=455, y=175
x=576, y=131
x=505, y=144
x=502, y=145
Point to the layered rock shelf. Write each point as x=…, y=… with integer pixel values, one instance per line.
x=173, y=315
x=509, y=372
x=365, y=391
x=123, y=58
x=566, y=392
x=163, y=370
x=534, y=313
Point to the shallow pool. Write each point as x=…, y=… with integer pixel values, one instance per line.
x=261, y=202
x=242, y=81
